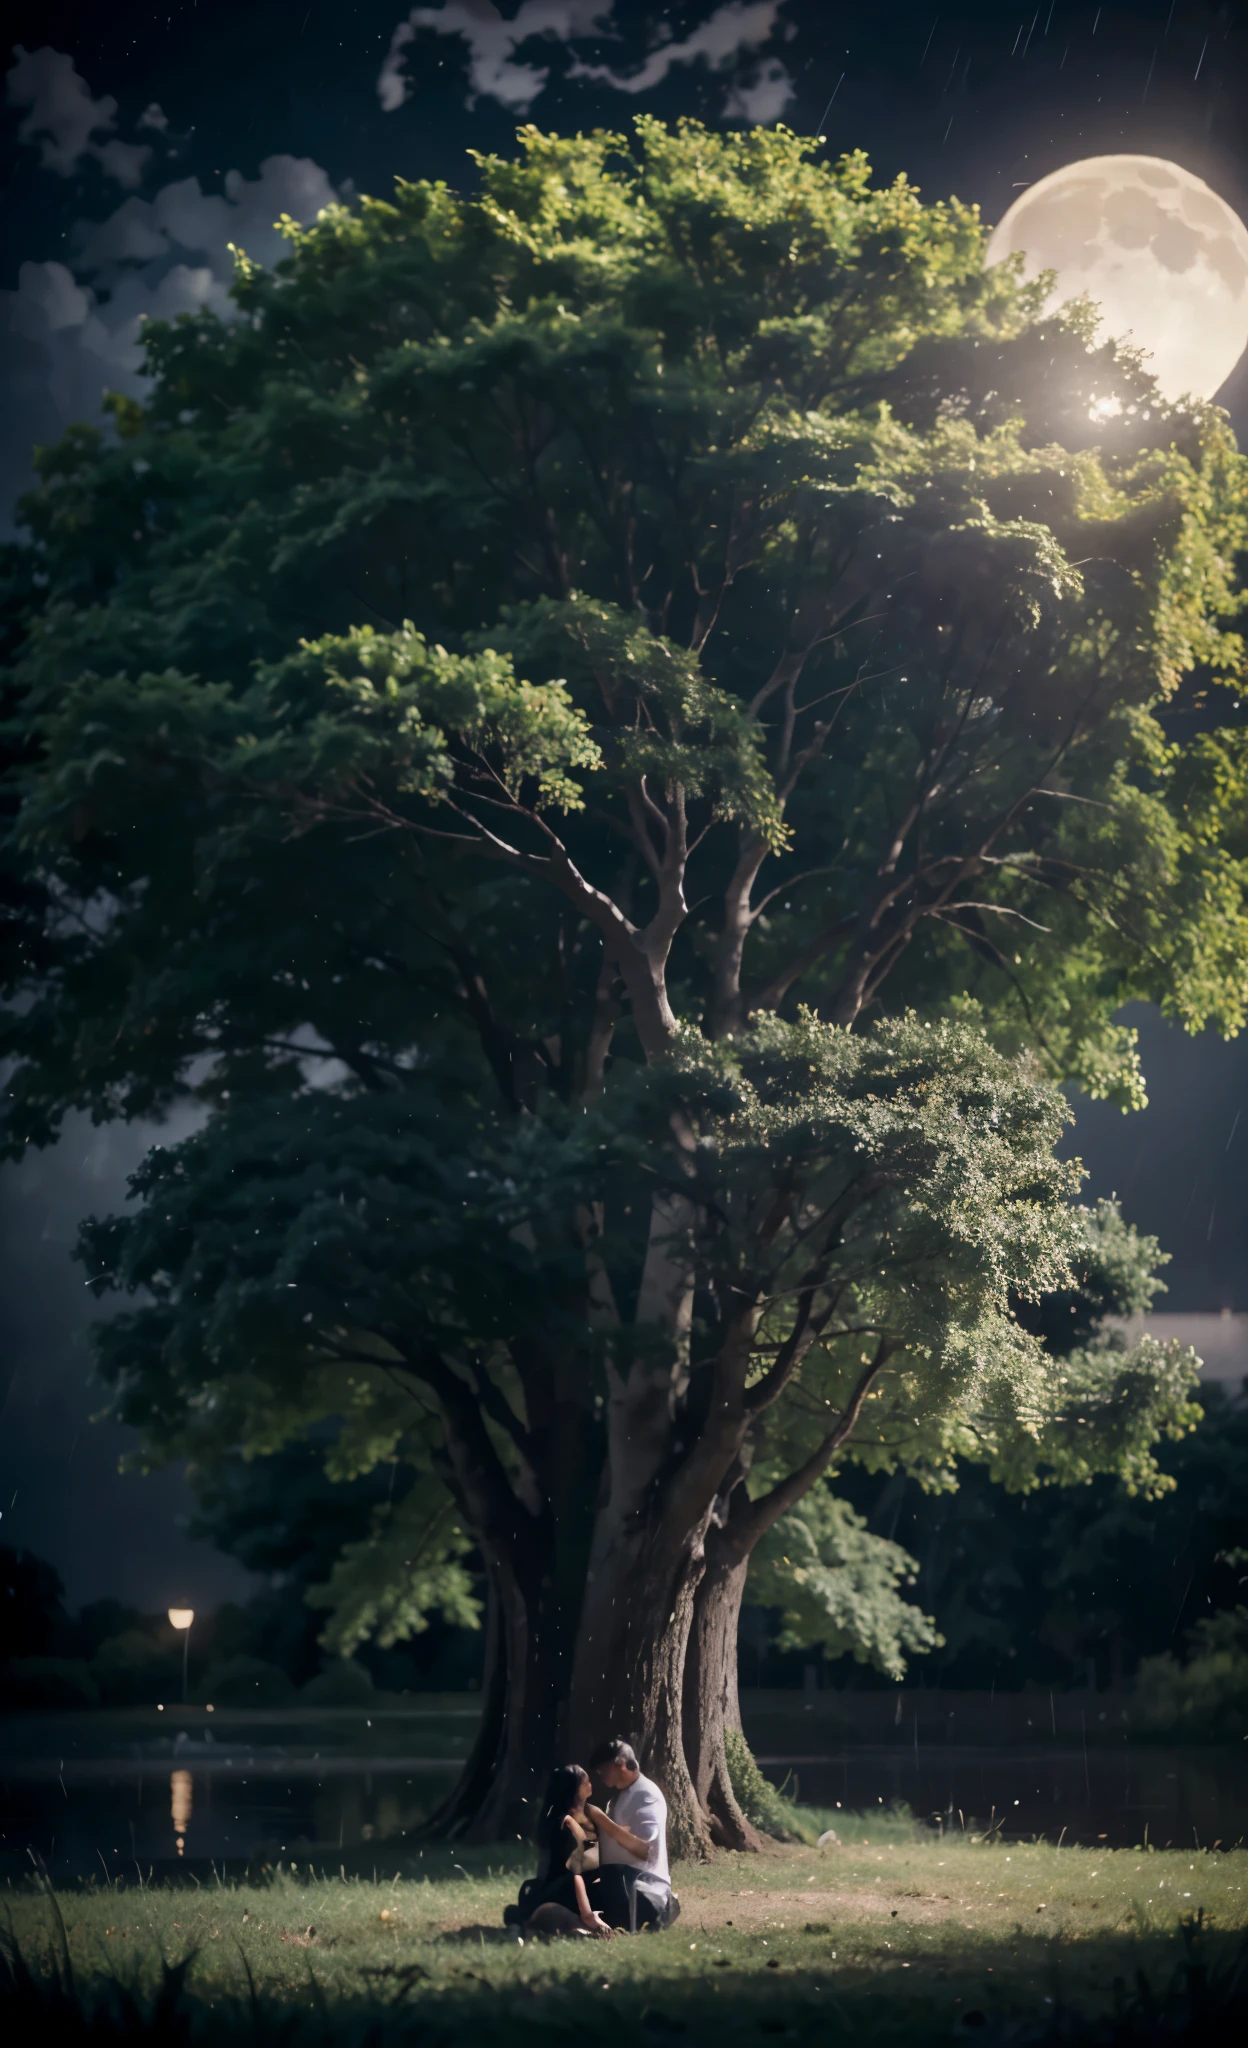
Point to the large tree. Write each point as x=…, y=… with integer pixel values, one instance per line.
x=590, y=725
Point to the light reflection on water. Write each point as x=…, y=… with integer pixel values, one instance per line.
x=181, y=1806
x=269, y=1808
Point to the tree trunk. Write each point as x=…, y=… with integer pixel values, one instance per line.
x=459, y=1812
x=523, y=1711
x=712, y=1706
x=647, y=1650
x=509, y=1808
x=629, y=1675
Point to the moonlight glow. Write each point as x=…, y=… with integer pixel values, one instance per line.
x=1164, y=257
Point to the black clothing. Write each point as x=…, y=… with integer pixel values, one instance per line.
x=554, y=1886
x=614, y=1893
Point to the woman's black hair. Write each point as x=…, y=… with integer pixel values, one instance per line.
x=561, y=1797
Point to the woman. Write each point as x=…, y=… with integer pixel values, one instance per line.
x=557, y=1900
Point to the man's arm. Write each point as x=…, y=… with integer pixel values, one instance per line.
x=636, y=1845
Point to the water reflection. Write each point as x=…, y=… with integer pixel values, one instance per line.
x=315, y=1788
x=181, y=1806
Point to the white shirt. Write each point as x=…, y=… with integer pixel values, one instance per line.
x=642, y=1809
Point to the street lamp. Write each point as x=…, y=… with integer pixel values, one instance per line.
x=182, y=1617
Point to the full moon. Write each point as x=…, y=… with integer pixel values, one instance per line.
x=1165, y=259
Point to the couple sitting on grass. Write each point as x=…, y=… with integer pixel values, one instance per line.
x=599, y=1874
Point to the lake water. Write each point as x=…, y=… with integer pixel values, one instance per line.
x=116, y=1792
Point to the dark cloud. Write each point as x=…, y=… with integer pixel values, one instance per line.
x=719, y=42
x=492, y=43
x=62, y=1493
x=734, y=31
x=71, y=329
x=65, y=121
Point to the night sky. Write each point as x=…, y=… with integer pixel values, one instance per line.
x=137, y=142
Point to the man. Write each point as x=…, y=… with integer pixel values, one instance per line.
x=635, y=1886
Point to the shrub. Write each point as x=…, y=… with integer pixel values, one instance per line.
x=1207, y=1694
x=247, y=1682
x=133, y=1670
x=32, y=1604
x=98, y=1620
x=758, y=1799
x=47, y=1682
x=344, y=1683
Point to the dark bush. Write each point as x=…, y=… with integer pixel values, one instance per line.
x=32, y=1610
x=132, y=1670
x=246, y=1682
x=344, y=1683
x=47, y=1682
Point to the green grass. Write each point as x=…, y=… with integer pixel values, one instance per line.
x=895, y=1933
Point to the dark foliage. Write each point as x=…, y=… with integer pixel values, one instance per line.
x=1055, y=1587
x=32, y=1604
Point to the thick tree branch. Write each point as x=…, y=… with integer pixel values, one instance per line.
x=807, y=956
x=641, y=955
x=496, y=1511
x=766, y=1511
x=809, y=1324
x=497, y=1407
x=605, y=1016
x=727, y=1013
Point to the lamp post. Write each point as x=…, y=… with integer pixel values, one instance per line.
x=181, y=1618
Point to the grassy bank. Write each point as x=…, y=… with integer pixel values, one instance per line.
x=895, y=1933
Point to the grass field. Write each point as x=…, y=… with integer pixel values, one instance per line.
x=895, y=1935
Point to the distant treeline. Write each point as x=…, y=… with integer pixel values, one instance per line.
x=260, y=1654
x=1063, y=1588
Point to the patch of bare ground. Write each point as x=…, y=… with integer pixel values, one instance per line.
x=749, y=1910
x=792, y=1909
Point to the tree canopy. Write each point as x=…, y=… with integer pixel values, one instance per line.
x=1004, y=1563
x=612, y=729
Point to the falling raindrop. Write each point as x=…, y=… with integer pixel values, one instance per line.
x=828, y=109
